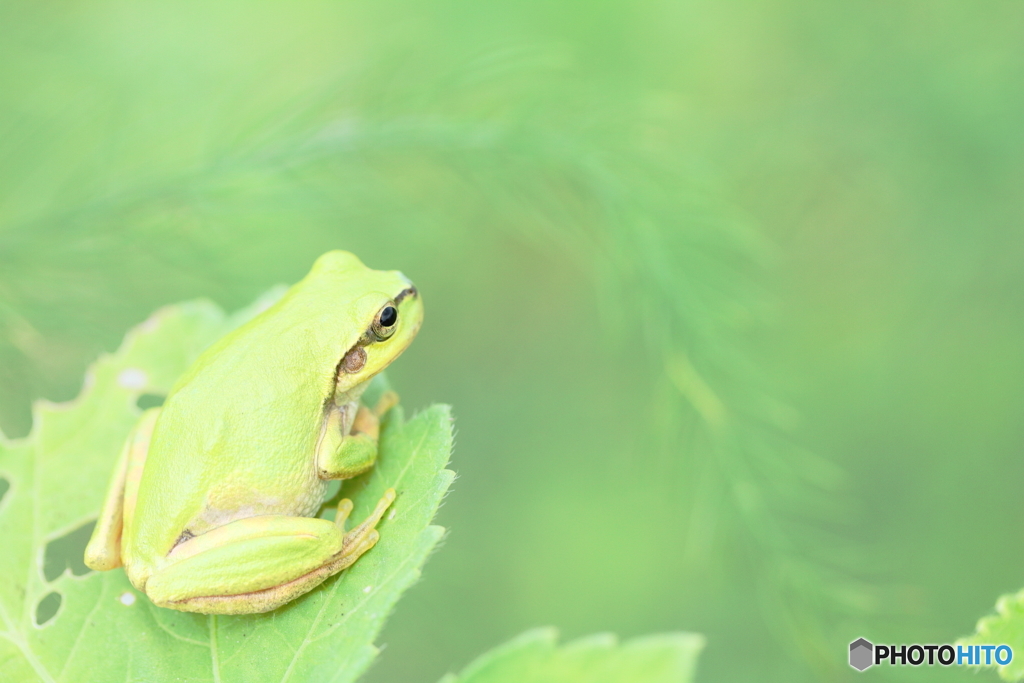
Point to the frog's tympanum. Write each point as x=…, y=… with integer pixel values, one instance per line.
x=212, y=505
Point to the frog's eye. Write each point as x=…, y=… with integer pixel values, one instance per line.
x=386, y=322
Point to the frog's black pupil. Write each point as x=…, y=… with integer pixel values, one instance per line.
x=389, y=316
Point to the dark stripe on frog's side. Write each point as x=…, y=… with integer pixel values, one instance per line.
x=408, y=291
x=349, y=362
x=185, y=535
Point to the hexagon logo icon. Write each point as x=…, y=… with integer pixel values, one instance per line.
x=861, y=654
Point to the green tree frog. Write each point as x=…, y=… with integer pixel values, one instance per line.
x=212, y=505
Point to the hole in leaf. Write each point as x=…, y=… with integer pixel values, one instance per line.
x=4, y=485
x=66, y=552
x=147, y=401
x=47, y=608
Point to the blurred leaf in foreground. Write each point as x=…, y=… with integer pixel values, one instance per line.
x=62, y=623
x=1005, y=627
x=534, y=657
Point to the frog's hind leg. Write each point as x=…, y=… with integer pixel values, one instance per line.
x=104, y=549
x=259, y=563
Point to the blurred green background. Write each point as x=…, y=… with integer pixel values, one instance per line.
x=727, y=296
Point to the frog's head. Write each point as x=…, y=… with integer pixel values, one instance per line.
x=382, y=314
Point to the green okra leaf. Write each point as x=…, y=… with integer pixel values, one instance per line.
x=60, y=622
x=535, y=657
x=1005, y=627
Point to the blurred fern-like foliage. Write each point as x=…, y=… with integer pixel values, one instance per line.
x=162, y=151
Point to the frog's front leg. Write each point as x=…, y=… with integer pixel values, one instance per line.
x=343, y=456
x=259, y=563
x=104, y=549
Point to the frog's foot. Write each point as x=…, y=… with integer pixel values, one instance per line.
x=357, y=537
x=259, y=563
x=344, y=510
x=388, y=400
x=353, y=454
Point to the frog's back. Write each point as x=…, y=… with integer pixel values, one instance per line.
x=223, y=448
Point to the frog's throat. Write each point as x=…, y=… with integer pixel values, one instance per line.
x=350, y=396
x=339, y=414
